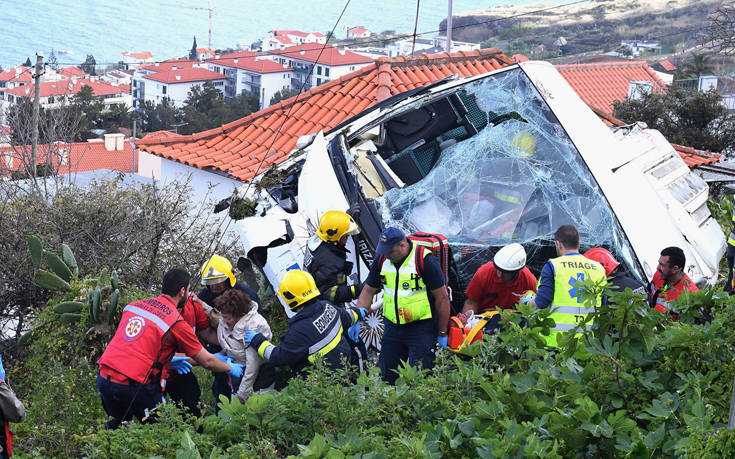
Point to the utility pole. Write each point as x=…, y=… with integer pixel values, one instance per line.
x=449, y=28
x=36, y=110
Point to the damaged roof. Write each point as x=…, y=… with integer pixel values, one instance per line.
x=238, y=148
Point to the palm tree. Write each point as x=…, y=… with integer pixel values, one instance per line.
x=698, y=66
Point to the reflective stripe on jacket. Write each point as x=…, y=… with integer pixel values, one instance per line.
x=134, y=351
x=405, y=298
x=731, y=237
x=566, y=306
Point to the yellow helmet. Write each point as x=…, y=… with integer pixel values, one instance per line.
x=297, y=287
x=335, y=224
x=217, y=269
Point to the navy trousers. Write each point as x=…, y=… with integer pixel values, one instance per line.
x=184, y=389
x=413, y=343
x=121, y=402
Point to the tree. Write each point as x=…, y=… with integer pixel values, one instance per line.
x=203, y=108
x=89, y=65
x=193, y=54
x=89, y=109
x=698, y=66
x=162, y=117
x=283, y=94
x=52, y=61
x=719, y=33
x=28, y=63
x=684, y=116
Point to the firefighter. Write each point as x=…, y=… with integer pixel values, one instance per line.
x=317, y=329
x=415, y=302
x=149, y=333
x=618, y=278
x=326, y=261
x=217, y=277
x=557, y=288
x=670, y=280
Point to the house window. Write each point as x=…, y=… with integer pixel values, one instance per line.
x=318, y=69
x=164, y=90
x=51, y=100
x=11, y=98
x=219, y=83
x=326, y=71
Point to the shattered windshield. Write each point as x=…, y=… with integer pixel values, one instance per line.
x=516, y=180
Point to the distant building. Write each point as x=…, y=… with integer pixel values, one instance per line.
x=132, y=60
x=328, y=63
x=204, y=53
x=173, y=79
x=281, y=39
x=247, y=71
x=357, y=32
x=55, y=93
x=423, y=45
x=12, y=77
x=636, y=47
x=119, y=76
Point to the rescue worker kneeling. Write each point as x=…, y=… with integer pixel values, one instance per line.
x=318, y=328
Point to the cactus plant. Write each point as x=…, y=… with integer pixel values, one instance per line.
x=68, y=306
x=71, y=317
x=49, y=280
x=57, y=265
x=96, y=300
x=114, y=299
x=68, y=256
x=36, y=248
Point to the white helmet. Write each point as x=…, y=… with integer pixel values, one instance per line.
x=512, y=257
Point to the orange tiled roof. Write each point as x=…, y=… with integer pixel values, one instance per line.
x=321, y=54
x=691, y=156
x=252, y=64
x=184, y=75
x=21, y=74
x=169, y=65
x=601, y=84
x=71, y=71
x=239, y=148
x=69, y=87
x=160, y=135
x=143, y=55
x=82, y=157
x=667, y=65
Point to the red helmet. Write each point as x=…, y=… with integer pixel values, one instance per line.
x=603, y=257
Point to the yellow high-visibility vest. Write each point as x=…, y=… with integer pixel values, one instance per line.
x=405, y=298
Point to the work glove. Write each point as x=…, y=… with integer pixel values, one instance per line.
x=221, y=356
x=235, y=369
x=355, y=290
x=2, y=370
x=442, y=341
x=181, y=365
x=249, y=335
x=363, y=312
x=354, y=332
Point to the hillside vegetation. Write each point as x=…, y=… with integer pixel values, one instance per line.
x=589, y=26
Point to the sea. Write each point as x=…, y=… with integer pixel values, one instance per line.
x=104, y=29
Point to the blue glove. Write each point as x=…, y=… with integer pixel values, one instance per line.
x=363, y=312
x=249, y=335
x=235, y=369
x=354, y=332
x=221, y=356
x=528, y=297
x=181, y=365
x=442, y=341
x=2, y=370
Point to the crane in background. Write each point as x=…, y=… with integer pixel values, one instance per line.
x=209, y=9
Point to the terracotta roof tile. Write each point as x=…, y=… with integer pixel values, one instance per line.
x=239, y=148
x=601, y=84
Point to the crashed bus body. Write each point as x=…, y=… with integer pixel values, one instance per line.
x=503, y=157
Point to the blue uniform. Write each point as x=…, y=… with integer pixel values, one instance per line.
x=319, y=328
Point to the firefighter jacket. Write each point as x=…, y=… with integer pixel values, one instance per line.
x=317, y=329
x=328, y=264
x=405, y=297
x=566, y=306
x=135, y=350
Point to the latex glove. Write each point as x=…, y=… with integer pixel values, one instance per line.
x=528, y=297
x=221, y=356
x=354, y=332
x=235, y=369
x=363, y=312
x=2, y=369
x=442, y=341
x=181, y=365
x=249, y=335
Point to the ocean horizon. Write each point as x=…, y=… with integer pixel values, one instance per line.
x=75, y=28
